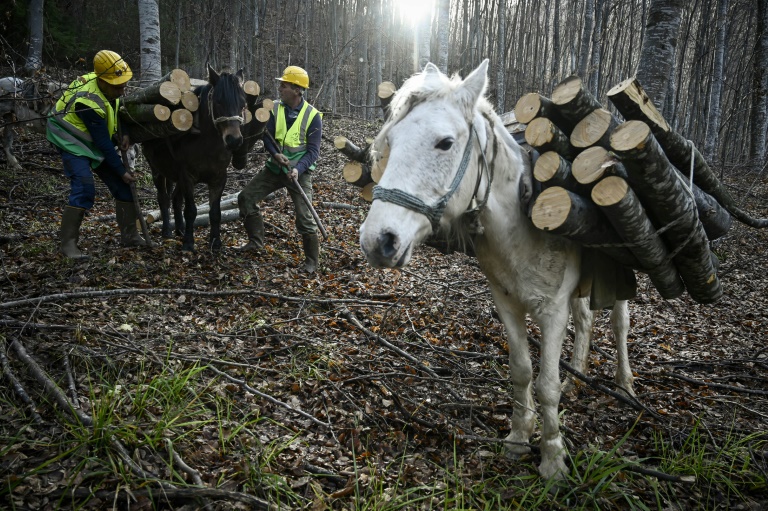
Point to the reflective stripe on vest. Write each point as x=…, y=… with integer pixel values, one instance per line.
x=294, y=140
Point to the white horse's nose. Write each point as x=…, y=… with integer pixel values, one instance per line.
x=381, y=249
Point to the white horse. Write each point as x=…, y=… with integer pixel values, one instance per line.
x=453, y=168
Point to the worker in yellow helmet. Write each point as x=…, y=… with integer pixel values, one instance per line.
x=294, y=133
x=83, y=127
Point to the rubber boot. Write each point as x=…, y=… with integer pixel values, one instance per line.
x=70, y=232
x=254, y=227
x=311, y=252
x=126, y=221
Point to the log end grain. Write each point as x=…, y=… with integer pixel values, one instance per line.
x=162, y=112
x=587, y=167
x=592, y=128
x=268, y=104
x=386, y=90
x=182, y=119
x=340, y=142
x=567, y=90
x=528, y=107
x=367, y=192
x=262, y=114
x=610, y=191
x=629, y=136
x=352, y=171
x=378, y=168
x=539, y=132
x=551, y=208
x=171, y=92
x=251, y=88
x=546, y=166
x=190, y=101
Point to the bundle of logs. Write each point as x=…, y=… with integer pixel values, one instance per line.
x=632, y=189
x=167, y=107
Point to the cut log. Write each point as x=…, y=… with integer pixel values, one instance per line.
x=252, y=91
x=543, y=135
x=386, y=92
x=356, y=173
x=178, y=77
x=562, y=212
x=633, y=103
x=625, y=212
x=268, y=104
x=594, y=129
x=137, y=113
x=350, y=150
x=190, y=101
x=367, y=192
x=228, y=215
x=228, y=202
x=573, y=100
x=180, y=122
x=164, y=93
x=595, y=163
x=534, y=105
x=716, y=220
x=378, y=168
x=551, y=169
x=671, y=207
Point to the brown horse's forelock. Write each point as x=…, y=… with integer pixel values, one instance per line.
x=228, y=96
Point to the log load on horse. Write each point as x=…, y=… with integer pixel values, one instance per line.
x=201, y=155
x=454, y=169
x=25, y=104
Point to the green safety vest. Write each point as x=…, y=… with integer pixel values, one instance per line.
x=293, y=141
x=65, y=128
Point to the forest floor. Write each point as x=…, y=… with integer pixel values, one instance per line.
x=354, y=388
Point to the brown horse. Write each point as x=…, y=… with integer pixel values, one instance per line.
x=199, y=156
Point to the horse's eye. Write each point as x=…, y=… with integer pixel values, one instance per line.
x=445, y=144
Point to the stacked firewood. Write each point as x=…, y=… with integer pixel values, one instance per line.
x=167, y=107
x=627, y=188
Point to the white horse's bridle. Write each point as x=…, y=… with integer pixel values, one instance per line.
x=435, y=212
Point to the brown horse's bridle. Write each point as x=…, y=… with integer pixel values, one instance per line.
x=219, y=120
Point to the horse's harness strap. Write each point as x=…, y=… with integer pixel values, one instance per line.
x=219, y=120
x=434, y=212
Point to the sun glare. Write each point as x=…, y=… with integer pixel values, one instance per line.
x=414, y=11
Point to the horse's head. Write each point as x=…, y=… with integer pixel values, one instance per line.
x=432, y=173
x=226, y=105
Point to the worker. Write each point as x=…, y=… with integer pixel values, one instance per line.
x=292, y=138
x=84, y=127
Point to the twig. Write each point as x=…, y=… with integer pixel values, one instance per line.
x=269, y=398
x=50, y=387
x=192, y=292
x=194, y=474
x=732, y=388
x=166, y=494
x=8, y=373
x=70, y=381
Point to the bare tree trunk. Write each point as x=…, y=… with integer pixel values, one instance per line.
x=443, y=34
x=424, y=34
x=35, y=25
x=715, y=112
x=501, y=61
x=759, y=112
x=658, y=53
x=586, y=36
x=149, y=35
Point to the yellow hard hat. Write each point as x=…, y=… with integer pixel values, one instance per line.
x=295, y=75
x=111, y=67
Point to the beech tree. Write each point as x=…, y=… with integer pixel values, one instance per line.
x=149, y=38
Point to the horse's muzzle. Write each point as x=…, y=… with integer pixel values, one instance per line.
x=383, y=251
x=233, y=141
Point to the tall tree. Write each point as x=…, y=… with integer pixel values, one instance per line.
x=713, y=132
x=501, y=61
x=657, y=57
x=443, y=32
x=759, y=111
x=35, y=25
x=149, y=42
x=586, y=38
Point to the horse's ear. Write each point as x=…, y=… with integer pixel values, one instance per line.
x=240, y=76
x=431, y=68
x=473, y=86
x=213, y=76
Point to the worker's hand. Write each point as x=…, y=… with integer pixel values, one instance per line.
x=293, y=174
x=125, y=143
x=282, y=160
x=129, y=178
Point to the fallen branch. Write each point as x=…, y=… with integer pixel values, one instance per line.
x=17, y=388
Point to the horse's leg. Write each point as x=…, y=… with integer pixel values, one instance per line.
x=163, y=202
x=11, y=160
x=583, y=322
x=214, y=199
x=620, y=328
x=178, y=204
x=553, y=324
x=520, y=373
x=187, y=189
